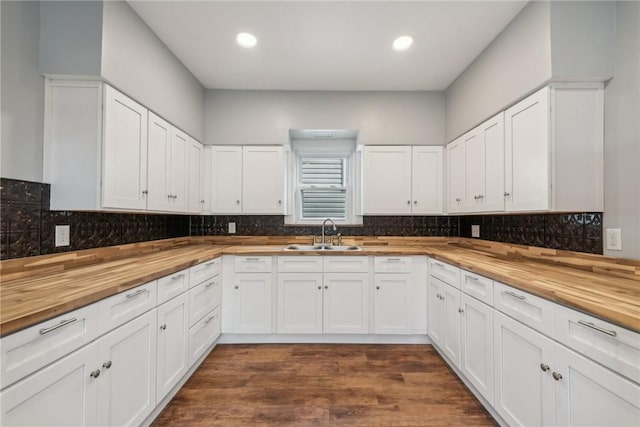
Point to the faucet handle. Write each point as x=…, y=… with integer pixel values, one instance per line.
x=339, y=236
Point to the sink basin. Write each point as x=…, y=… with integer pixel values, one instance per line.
x=333, y=248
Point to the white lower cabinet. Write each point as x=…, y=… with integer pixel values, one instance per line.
x=299, y=303
x=127, y=385
x=172, y=362
x=252, y=303
x=586, y=393
x=62, y=394
x=346, y=303
x=523, y=381
x=392, y=300
x=203, y=334
x=476, y=361
x=444, y=318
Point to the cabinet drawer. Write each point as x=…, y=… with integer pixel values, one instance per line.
x=120, y=308
x=172, y=285
x=477, y=286
x=252, y=264
x=204, y=298
x=533, y=311
x=345, y=264
x=201, y=272
x=299, y=264
x=615, y=347
x=384, y=264
x=203, y=334
x=445, y=272
x=30, y=349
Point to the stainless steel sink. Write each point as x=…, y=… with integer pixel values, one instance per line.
x=322, y=248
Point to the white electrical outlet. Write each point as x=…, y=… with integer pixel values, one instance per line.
x=62, y=235
x=232, y=228
x=614, y=239
x=475, y=231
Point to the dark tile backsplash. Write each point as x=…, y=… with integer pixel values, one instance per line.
x=27, y=226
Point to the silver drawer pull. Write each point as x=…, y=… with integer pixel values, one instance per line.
x=136, y=293
x=209, y=319
x=208, y=285
x=210, y=263
x=512, y=294
x=252, y=259
x=438, y=264
x=475, y=279
x=63, y=323
x=598, y=328
x=177, y=276
x=393, y=260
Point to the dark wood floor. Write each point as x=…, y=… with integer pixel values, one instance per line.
x=324, y=385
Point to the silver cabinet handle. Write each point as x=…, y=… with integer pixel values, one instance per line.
x=62, y=324
x=457, y=199
x=208, y=285
x=556, y=376
x=145, y=192
x=377, y=287
x=475, y=279
x=107, y=364
x=237, y=202
x=279, y=202
x=326, y=287
x=177, y=276
x=237, y=287
x=95, y=374
x=136, y=293
x=415, y=202
x=438, y=264
x=210, y=263
x=475, y=197
x=480, y=196
x=513, y=294
x=506, y=194
x=393, y=260
x=408, y=202
x=598, y=328
x=460, y=311
x=209, y=319
x=252, y=259
x=163, y=327
x=544, y=367
x=319, y=287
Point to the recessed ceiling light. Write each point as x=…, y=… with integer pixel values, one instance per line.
x=246, y=40
x=402, y=43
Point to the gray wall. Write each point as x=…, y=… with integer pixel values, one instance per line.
x=22, y=94
x=622, y=133
x=513, y=65
x=265, y=117
x=138, y=63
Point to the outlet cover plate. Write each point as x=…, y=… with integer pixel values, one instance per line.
x=232, y=228
x=475, y=231
x=62, y=235
x=613, y=239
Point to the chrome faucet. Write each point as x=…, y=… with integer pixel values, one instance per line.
x=324, y=223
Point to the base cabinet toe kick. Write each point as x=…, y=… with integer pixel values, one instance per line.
x=531, y=361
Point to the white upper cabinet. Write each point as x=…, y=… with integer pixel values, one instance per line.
x=194, y=170
x=402, y=180
x=263, y=183
x=226, y=179
x=179, y=146
x=124, y=166
x=387, y=180
x=426, y=180
x=159, y=185
x=476, y=169
x=205, y=178
x=554, y=150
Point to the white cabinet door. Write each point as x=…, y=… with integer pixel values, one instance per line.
x=476, y=362
x=205, y=179
x=172, y=362
x=179, y=150
x=159, y=164
x=387, y=180
x=527, y=168
x=589, y=394
x=124, y=162
x=346, y=303
x=392, y=300
x=491, y=134
x=263, y=182
x=226, y=179
x=522, y=369
x=300, y=303
x=62, y=394
x=252, y=303
x=451, y=341
x=456, y=165
x=426, y=182
x=127, y=386
x=474, y=170
x=194, y=172
x=436, y=311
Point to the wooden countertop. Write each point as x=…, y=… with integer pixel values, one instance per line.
x=33, y=298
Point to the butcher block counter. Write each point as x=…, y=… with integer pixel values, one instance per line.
x=38, y=288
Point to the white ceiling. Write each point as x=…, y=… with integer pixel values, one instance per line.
x=327, y=45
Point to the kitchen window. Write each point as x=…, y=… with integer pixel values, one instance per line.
x=324, y=183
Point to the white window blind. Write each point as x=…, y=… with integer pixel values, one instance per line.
x=323, y=189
